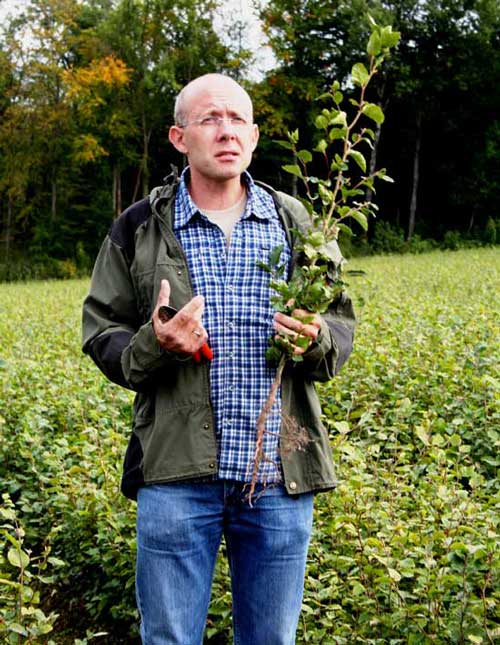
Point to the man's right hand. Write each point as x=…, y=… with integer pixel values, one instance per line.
x=184, y=333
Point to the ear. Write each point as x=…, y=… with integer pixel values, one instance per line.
x=176, y=138
x=255, y=136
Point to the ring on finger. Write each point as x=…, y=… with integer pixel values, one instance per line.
x=196, y=332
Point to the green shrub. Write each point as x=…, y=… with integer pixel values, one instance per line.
x=452, y=241
x=387, y=238
x=404, y=551
x=21, y=577
x=490, y=234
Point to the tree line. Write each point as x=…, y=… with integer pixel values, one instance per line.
x=87, y=94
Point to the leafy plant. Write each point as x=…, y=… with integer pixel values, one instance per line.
x=414, y=425
x=336, y=197
x=21, y=574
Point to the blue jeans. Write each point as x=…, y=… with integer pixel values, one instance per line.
x=179, y=530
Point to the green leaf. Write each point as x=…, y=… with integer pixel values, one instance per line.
x=388, y=37
x=321, y=122
x=361, y=219
x=321, y=146
x=302, y=342
x=17, y=629
x=8, y=514
x=373, y=112
x=265, y=267
x=422, y=435
x=275, y=254
x=325, y=194
x=337, y=97
x=358, y=158
x=374, y=44
x=18, y=558
x=393, y=574
x=342, y=427
x=345, y=229
x=284, y=144
x=305, y=156
x=337, y=133
x=56, y=562
x=339, y=119
x=359, y=74
x=293, y=169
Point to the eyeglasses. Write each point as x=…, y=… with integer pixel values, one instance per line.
x=216, y=121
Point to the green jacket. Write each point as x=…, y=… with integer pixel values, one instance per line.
x=173, y=434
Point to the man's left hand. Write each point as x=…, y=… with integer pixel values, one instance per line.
x=295, y=325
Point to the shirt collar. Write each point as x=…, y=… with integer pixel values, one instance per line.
x=185, y=208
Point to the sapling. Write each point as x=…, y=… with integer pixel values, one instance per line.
x=334, y=199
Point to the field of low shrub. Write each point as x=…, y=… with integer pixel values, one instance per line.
x=406, y=550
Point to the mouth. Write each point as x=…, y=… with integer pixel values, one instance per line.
x=227, y=155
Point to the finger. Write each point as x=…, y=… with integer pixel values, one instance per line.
x=308, y=317
x=296, y=350
x=288, y=321
x=193, y=309
x=307, y=331
x=285, y=331
x=164, y=294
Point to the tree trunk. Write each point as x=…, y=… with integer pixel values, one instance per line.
x=414, y=188
x=472, y=217
x=137, y=183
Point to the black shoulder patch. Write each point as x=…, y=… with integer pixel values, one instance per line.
x=123, y=229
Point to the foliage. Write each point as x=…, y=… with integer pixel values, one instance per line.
x=21, y=619
x=436, y=77
x=88, y=94
x=404, y=551
x=331, y=198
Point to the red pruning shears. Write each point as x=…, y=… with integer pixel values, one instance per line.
x=166, y=313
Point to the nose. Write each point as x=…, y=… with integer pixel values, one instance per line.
x=226, y=128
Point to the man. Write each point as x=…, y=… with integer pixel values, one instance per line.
x=194, y=245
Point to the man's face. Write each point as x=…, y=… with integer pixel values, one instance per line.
x=218, y=136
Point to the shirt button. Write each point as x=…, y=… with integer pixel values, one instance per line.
x=231, y=388
x=179, y=272
x=230, y=287
x=231, y=354
x=206, y=426
x=212, y=465
x=230, y=324
x=293, y=485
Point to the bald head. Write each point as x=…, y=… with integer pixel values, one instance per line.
x=189, y=96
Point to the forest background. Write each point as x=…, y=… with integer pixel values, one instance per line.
x=87, y=93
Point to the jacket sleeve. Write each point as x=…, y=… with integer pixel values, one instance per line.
x=326, y=356
x=125, y=350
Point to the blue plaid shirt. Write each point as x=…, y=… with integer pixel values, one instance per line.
x=238, y=318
